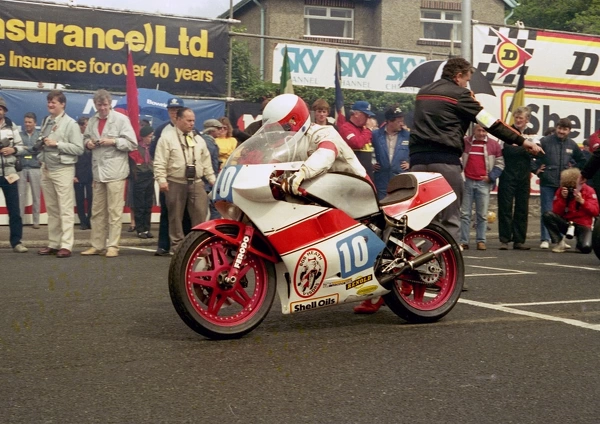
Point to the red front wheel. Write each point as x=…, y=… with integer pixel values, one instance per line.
x=204, y=302
x=430, y=291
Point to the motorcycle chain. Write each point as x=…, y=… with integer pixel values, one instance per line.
x=420, y=273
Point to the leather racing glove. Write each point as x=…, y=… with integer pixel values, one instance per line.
x=291, y=184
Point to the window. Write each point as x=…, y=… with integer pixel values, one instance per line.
x=439, y=25
x=331, y=22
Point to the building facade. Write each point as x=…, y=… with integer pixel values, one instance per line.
x=426, y=27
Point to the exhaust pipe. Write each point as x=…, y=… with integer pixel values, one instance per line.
x=387, y=280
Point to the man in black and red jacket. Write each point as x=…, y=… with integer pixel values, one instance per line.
x=444, y=110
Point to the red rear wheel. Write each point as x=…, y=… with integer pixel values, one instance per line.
x=204, y=302
x=431, y=291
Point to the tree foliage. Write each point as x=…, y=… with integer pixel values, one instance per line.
x=581, y=16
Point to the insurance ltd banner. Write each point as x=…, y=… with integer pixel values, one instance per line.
x=88, y=47
x=361, y=70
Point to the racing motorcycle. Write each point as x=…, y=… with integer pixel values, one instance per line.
x=333, y=244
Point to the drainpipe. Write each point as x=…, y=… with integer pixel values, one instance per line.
x=465, y=43
x=512, y=4
x=230, y=70
x=262, y=40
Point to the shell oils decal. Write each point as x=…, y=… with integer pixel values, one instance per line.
x=310, y=272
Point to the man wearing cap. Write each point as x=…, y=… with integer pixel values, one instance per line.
x=164, y=243
x=173, y=105
x=210, y=133
x=357, y=135
x=60, y=147
x=181, y=161
x=390, y=143
x=10, y=145
x=213, y=127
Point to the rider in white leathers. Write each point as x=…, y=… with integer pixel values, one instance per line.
x=325, y=148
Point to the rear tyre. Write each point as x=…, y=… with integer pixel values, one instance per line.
x=196, y=275
x=429, y=292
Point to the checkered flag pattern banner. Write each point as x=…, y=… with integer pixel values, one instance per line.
x=485, y=46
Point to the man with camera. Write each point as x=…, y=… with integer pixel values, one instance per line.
x=573, y=211
x=59, y=147
x=110, y=137
x=181, y=161
x=10, y=146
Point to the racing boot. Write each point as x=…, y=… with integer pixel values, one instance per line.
x=369, y=306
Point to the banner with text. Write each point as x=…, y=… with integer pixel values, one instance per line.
x=88, y=47
x=554, y=60
x=548, y=106
x=314, y=66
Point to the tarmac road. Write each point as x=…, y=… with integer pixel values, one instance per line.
x=97, y=340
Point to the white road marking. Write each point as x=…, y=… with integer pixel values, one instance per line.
x=571, y=266
x=480, y=257
x=501, y=308
x=555, y=302
x=137, y=248
x=504, y=271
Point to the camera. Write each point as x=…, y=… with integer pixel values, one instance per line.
x=39, y=143
x=570, y=230
x=190, y=172
x=6, y=142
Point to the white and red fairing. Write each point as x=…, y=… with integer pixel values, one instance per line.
x=433, y=195
x=298, y=232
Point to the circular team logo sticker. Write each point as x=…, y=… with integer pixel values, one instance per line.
x=310, y=272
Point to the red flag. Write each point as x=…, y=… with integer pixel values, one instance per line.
x=133, y=108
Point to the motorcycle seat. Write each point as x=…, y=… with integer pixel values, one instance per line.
x=400, y=188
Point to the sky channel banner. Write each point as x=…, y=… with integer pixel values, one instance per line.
x=361, y=70
x=81, y=46
x=554, y=60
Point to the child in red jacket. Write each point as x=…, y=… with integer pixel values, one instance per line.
x=572, y=205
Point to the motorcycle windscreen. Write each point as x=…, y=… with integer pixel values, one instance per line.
x=271, y=144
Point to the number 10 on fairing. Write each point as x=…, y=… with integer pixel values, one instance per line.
x=358, y=252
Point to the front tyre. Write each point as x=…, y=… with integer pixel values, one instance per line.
x=196, y=274
x=430, y=291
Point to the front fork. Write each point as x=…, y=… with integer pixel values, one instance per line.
x=240, y=257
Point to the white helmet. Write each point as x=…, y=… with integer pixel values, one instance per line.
x=290, y=111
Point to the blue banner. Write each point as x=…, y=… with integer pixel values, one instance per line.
x=20, y=102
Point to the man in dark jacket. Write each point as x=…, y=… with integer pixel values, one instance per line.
x=83, y=182
x=390, y=143
x=559, y=151
x=444, y=110
x=514, y=188
x=593, y=164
